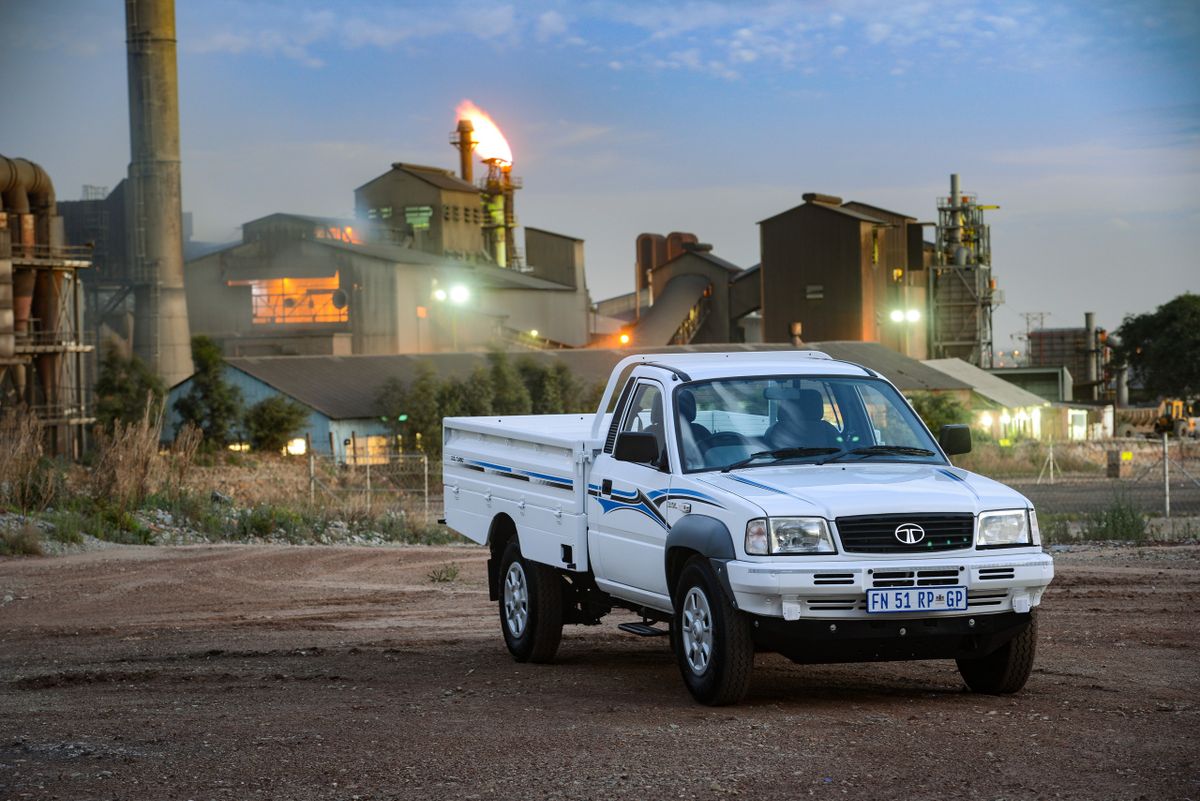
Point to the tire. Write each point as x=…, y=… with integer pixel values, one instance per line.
x=713, y=644
x=1006, y=669
x=531, y=607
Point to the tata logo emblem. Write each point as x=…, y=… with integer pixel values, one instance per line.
x=910, y=533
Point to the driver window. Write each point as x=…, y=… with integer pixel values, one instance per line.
x=645, y=413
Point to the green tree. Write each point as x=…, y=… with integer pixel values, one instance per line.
x=469, y=398
x=212, y=404
x=123, y=387
x=273, y=422
x=510, y=395
x=542, y=383
x=412, y=410
x=939, y=410
x=1162, y=347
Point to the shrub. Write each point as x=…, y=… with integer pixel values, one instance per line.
x=939, y=410
x=68, y=526
x=23, y=541
x=443, y=574
x=1121, y=520
x=125, y=387
x=271, y=423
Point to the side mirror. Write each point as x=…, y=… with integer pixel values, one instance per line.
x=955, y=439
x=640, y=447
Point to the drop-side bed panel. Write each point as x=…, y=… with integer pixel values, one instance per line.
x=530, y=468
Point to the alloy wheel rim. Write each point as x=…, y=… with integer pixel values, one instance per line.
x=516, y=600
x=697, y=631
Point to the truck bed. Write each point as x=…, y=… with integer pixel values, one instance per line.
x=529, y=467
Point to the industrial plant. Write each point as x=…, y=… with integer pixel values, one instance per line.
x=435, y=261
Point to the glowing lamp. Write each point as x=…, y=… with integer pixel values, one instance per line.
x=912, y=315
x=623, y=339
x=439, y=295
x=459, y=294
x=897, y=316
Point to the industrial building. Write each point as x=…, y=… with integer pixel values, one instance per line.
x=829, y=270
x=415, y=272
x=41, y=344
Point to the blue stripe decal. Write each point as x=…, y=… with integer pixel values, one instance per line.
x=563, y=483
x=491, y=466
x=756, y=484
x=951, y=475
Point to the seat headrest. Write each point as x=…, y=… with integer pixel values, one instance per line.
x=687, y=404
x=807, y=406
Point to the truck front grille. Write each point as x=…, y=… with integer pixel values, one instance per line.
x=877, y=533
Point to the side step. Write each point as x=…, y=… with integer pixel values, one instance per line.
x=643, y=629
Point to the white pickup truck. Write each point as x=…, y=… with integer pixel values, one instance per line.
x=780, y=501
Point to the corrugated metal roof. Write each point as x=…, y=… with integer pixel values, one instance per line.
x=859, y=203
x=989, y=386
x=347, y=387
x=827, y=207
x=436, y=176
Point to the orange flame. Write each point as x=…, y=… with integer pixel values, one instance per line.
x=491, y=143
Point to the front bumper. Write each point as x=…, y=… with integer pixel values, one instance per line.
x=890, y=640
x=836, y=589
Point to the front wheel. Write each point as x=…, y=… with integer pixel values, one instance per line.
x=713, y=643
x=1006, y=669
x=531, y=607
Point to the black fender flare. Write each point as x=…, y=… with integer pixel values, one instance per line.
x=708, y=537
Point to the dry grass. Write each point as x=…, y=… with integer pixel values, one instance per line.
x=128, y=466
x=26, y=482
x=182, y=457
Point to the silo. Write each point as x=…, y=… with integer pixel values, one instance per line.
x=154, y=206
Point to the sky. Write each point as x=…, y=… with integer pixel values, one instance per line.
x=1081, y=120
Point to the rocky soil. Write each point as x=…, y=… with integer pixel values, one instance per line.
x=245, y=672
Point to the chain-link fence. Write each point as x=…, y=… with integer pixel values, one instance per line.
x=1156, y=477
x=403, y=484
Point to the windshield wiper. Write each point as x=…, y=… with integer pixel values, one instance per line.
x=882, y=450
x=778, y=455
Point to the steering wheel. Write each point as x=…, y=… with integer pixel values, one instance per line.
x=723, y=439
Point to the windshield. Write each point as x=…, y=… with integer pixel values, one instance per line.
x=747, y=422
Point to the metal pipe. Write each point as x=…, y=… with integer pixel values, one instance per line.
x=1123, y=387
x=22, y=181
x=956, y=217
x=1089, y=324
x=161, y=335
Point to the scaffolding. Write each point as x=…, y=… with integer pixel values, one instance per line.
x=962, y=292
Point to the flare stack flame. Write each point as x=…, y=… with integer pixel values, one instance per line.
x=490, y=142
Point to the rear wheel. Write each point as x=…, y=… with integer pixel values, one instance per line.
x=531, y=607
x=1006, y=669
x=712, y=640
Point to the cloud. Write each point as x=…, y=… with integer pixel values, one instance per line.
x=550, y=25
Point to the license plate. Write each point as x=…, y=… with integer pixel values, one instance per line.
x=917, y=599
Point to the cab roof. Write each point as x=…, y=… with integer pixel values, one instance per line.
x=704, y=366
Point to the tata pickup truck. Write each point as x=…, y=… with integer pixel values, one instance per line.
x=777, y=501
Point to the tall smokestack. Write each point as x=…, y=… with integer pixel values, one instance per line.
x=160, y=334
x=466, y=145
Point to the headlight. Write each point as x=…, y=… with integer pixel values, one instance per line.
x=1000, y=529
x=788, y=535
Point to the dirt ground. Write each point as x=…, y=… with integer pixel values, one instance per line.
x=241, y=672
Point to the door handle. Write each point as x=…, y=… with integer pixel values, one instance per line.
x=606, y=487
